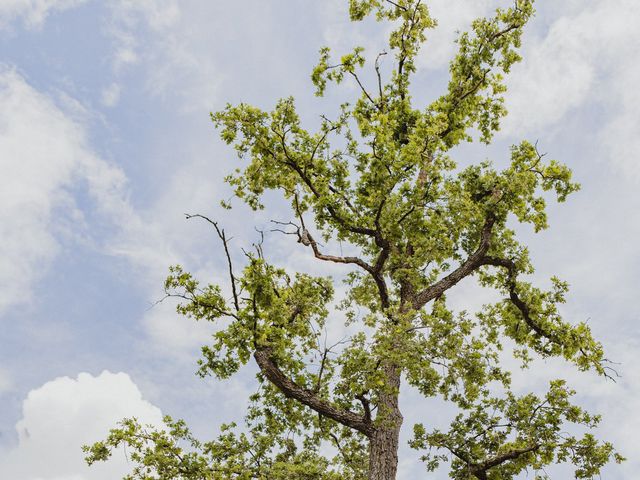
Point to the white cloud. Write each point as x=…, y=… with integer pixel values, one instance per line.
x=44, y=157
x=129, y=18
x=452, y=17
x=43, y=152
x=65, y=413
x=32, y=12
x=558, y=72
x=584, y=59
x=111, y=95
x=6, y=381
x=39, y=148
x=173, y=334
x=619, y=136
x=171, y=46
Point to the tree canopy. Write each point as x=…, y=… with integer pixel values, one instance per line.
x=380, y=176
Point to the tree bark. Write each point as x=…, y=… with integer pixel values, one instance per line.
x=384, y=442
x=290, y=389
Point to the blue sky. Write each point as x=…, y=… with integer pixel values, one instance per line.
x=105, y=143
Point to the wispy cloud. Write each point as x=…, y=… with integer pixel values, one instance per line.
x=6, y=381
x=169, y=43
x=43, y=152
x=583, y=60
x=111, y=95
x=33, y=13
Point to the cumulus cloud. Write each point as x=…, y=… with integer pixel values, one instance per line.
x=32, y=12
x=65, y=413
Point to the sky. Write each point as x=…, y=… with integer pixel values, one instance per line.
x=105, y=144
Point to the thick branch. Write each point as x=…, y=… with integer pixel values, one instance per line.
x=514, y=297
x=385, y=250
x=465, y=269
x=268, y=366
x=366, y=405
x=525, y=310
x=479, y=470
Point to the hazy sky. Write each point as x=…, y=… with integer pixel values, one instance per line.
x=105, y=143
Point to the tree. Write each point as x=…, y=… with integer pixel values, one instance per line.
x=379, y=177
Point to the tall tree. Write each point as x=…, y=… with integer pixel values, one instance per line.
x=378, y=177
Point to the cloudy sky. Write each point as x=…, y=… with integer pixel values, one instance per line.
x=105, y=143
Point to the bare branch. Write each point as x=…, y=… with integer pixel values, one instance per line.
x=377, y=67
x=307, y=239
x=400, y=7
x=321, y=371
x=364, y=90
x=223, y=237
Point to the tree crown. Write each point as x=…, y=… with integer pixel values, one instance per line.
x=381, y=177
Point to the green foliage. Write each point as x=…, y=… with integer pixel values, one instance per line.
x=505, y=436
x=381, y=177
x=173, y=453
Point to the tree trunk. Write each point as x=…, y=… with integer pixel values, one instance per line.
x=383, y=444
